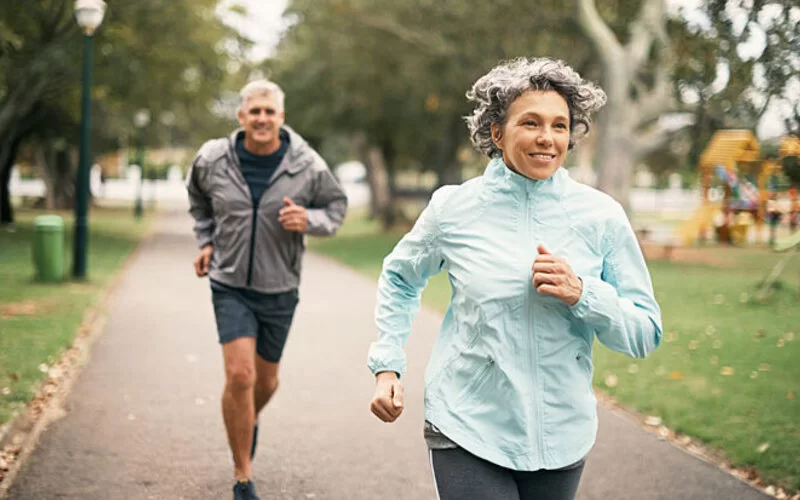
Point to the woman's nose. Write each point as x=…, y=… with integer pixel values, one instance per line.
x=545, y=138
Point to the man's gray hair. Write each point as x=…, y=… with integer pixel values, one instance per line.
x=494, y=92
x=259, y=88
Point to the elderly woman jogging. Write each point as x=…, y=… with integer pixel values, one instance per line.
x=539, y=266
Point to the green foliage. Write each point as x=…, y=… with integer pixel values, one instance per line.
x=398, y=71
x=169, y=57
x=702, y=56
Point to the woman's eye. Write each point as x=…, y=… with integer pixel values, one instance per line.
x=530, y=123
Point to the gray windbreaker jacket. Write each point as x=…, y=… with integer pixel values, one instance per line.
x=251, y=248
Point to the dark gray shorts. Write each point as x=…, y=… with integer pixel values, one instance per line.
x=266, y=317
x=460, y=475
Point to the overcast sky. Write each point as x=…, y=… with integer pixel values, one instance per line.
x=264, y=25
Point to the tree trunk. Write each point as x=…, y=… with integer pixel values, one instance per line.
x=446, y=164
x=616, y=163
x=620, y=145
x=8, y=153
x=6, y=210
x=377, y=177
x=55, y=167
x=616, y=152
x=17, y=118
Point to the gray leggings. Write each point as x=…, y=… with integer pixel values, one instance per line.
x=460, y=475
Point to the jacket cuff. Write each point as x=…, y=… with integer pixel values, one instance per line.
x=386, y=358
x=590, y=298
x=203, y=240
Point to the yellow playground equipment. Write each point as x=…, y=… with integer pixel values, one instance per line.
x=731, y=157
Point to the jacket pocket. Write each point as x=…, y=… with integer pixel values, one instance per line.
x=474, y=387
x=584, y=361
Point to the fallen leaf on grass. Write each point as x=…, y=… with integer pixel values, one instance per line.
x=611, y=381
x=780, y=343
x=763, y=367
x=719, y=299
x=652, y=421
x=753, y=374
x=632, y=369
x=6, y=391
x=692, y=345
x=26, y=308
x=710, y=330
x=790, y=395
x=727, y=371
x=717, y=344
x=43, y=368
x=764, y=447
x=676, y=375
x=13, y=376
x=788, y=336
x=714, y=360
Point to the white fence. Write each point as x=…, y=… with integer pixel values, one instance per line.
x=173, y=192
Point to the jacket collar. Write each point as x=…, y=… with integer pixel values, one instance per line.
x=297, y=157
x=500, y=176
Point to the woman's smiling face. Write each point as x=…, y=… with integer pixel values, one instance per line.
x=535, y=136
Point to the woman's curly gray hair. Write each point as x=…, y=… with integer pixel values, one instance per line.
x=494, y=92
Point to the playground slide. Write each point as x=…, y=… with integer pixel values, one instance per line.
x=688, y=231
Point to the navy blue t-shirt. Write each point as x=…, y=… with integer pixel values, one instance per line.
x=258, y=169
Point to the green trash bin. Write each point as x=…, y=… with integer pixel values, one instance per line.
x=48, y=248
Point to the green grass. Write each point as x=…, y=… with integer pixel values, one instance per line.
x=39, y=321
x=712, y=324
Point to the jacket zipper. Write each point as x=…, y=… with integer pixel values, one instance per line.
x=533, y=346
x=254, y=222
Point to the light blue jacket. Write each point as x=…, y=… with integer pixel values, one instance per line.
x=510, y=376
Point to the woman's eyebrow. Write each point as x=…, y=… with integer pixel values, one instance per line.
x=537, y=115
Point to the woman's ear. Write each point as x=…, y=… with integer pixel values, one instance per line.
x=497, y=135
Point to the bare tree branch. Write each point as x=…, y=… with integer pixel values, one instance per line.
x=603, y=39
x=655, y=139
x=658, y=100
x=389, y=26
x=646, y=29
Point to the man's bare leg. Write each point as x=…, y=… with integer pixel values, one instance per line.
x=266, y=382
x=238, y=408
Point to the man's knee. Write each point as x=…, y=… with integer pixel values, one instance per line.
x=240, y=377
x=269, y=385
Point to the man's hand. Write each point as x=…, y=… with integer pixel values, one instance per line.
x=387, y=404
x=203, y=260
x=293, y=217
x=553, y=276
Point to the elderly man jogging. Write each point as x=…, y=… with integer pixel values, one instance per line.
x=254, y=196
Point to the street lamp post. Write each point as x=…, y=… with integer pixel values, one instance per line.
x=140, y=120
x=89, y=14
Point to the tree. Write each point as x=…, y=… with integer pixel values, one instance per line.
x=167, y=57
x=343, y=56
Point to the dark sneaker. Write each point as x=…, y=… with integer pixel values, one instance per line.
x=244, y=489
x=255, y=441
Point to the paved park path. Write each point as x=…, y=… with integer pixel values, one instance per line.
x=143, y=420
